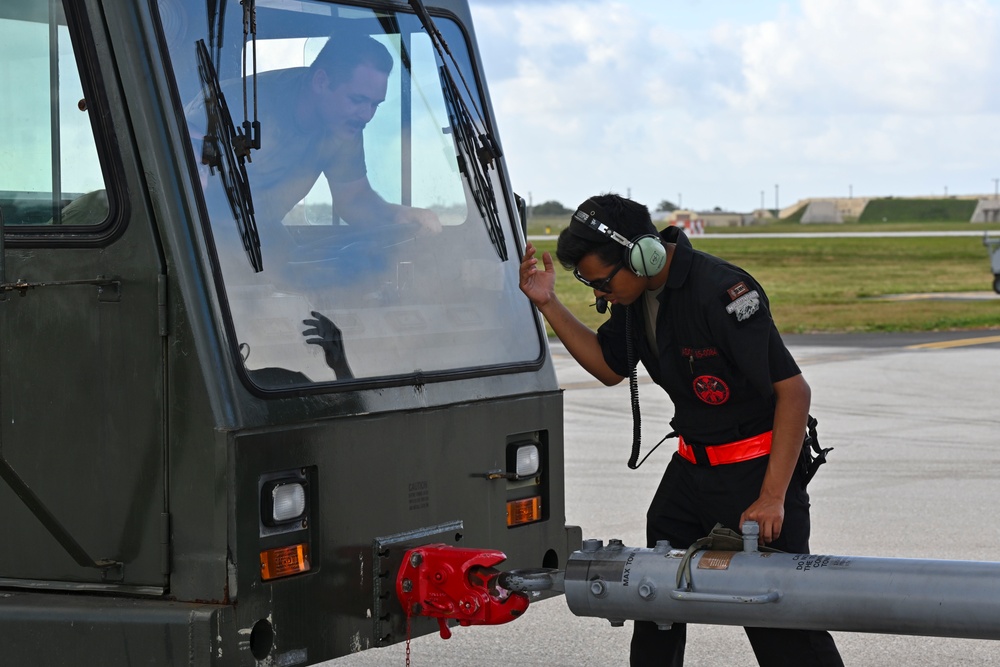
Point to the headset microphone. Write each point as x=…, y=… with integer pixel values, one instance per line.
x=601, y=304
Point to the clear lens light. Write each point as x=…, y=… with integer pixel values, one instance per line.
x=288, y=502
x=527, y=462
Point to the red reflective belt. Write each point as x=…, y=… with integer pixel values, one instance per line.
x=733, y=452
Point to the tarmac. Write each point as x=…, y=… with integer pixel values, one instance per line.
x=941, y=296
x=915, y=473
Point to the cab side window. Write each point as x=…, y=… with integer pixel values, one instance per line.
x=50, y=173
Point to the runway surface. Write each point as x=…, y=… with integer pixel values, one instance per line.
x=915, y=472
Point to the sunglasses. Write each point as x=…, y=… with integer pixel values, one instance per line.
x=602, y=285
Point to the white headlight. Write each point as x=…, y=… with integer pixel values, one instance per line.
x=288, y=501
x=527, y=461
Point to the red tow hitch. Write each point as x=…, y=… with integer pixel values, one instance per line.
x=445, y=582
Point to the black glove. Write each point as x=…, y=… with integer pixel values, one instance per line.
x=328, y=336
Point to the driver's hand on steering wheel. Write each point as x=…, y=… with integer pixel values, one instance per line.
x=425, y=218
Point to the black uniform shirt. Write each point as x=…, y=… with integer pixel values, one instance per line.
x=719, y=351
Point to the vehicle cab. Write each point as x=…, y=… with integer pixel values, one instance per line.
x=232, y=396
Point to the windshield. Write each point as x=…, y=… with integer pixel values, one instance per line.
x=352, y=241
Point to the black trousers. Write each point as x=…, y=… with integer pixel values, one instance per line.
x=688, y=503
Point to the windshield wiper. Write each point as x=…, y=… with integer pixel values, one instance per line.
x=227, y=149
x=479, y=145
x=475, y=170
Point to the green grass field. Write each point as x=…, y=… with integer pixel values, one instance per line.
x=552, y=225
x=833, y=284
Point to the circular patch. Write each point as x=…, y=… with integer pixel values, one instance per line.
x=711, y=389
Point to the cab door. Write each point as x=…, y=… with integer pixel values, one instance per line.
x=82, y=434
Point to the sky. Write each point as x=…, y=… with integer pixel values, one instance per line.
x=738, y=103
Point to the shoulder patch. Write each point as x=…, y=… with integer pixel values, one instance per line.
x=744, y=306
x=737, y=290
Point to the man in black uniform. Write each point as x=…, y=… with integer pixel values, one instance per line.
x=703, y=330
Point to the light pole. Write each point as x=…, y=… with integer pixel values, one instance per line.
x=777, y=208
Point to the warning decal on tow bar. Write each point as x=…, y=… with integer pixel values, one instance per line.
x=716, y=560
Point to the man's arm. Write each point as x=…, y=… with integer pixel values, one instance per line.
x=791, y=412
x=579, y=339
x=359, y=204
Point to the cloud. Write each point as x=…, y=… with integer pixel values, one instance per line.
x=533, y=3
x=570, y=56
x=867, y=55
x=891, y=96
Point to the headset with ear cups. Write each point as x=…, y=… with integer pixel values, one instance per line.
x=644, y=255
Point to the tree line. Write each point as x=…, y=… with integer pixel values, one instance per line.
x=553, y=207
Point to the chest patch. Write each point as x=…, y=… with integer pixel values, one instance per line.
x=710, y=389
x=744, y=306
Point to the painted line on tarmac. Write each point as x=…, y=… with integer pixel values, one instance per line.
x=939, y=296
x=961, y=342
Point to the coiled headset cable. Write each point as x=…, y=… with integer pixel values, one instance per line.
x=633, y=387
